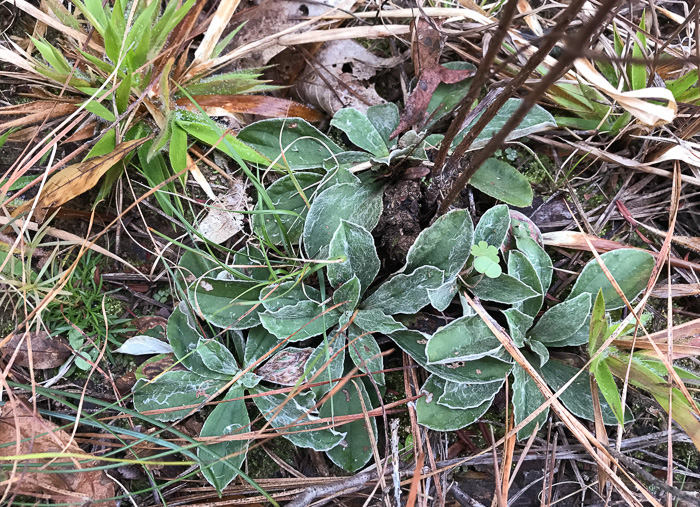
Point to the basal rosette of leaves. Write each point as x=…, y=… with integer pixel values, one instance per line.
x=288, y=332
x=288, y=327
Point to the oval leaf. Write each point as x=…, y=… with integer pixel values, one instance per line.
x=445, y=245
x=358, y=203
x=630, y=268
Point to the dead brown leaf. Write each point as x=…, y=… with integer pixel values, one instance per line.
x=40, y=436
x=337, y=77
x=78, y=178
x=143, y=324
x=224, y=105
x=47, y=352
x=426, y=49
x=286, y=367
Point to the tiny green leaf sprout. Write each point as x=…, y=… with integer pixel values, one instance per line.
x=486, y=259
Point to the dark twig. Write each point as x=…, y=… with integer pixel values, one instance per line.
x=571, y=51
x=480, y=78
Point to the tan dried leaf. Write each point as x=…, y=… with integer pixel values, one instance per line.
x=326, y=85
x=47, y=352
x=40, y=436
x=224, y=219
x=286, y=367
x=78, y=178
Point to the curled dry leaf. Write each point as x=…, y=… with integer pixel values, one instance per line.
x=634, y=101
x=229, y=105
x=224, y=219
x=40, y=436
x=78, y=178
x=532, y=20
x=684, y=152
x=47, y=352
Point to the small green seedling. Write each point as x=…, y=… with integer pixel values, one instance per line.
x=486, y=259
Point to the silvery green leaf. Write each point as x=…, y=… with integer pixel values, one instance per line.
x=463, y=396
x=493, y=226
x=358, y=203
x=405, y=293
x=329, y=359
x=518, y=324
x=537, y=120
x=216, y=357
x=562, y=320
x=539, y=259
x=504, y=182
x=445, y=244
x=196, y=265
x=486, y=369
x=231, y=304
x=348, y=294
x=184, y=335
x=504, y=289
x=174, y=389
x=441, y=297
x=259, y=342
x=447, y=96
x=360, y=131
x=249, y=380
x=303, y=320
x=227, y=418
x=355, y=450
x=521, y=268
x=540, y=350
x=629, y=267
x=142, y=345
x=577, y=398
x=578, y=338
x=252, y=256
x=277, y=296
x=356, y=244
x=464, y=339
x=467, y=310
x=295, y=412
x=366, y=354
x=286, y=196
x=385, y=118
x=374, y=321
x=305, y=147
x=526, y=399
x=338, y=165
x=438, y=417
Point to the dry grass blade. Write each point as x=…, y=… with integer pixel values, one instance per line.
x=54, y=23
x=68, y=238
x=35, y=112
x=218, y=24
x=601, y=434
x=78, y=178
